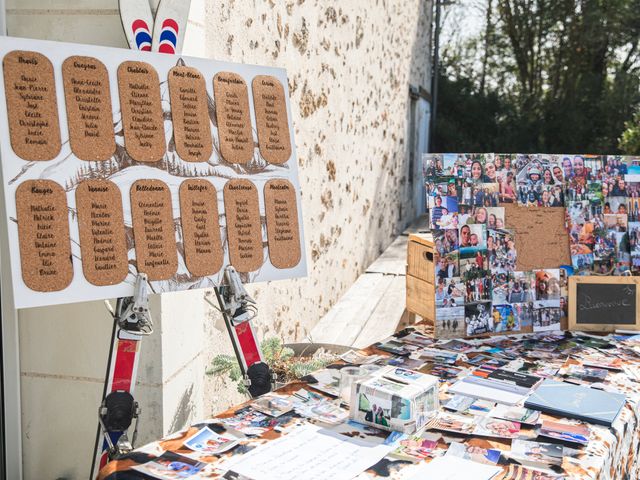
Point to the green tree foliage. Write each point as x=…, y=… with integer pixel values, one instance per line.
x=551, y=76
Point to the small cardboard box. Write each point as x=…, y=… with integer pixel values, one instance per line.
x=395, y=399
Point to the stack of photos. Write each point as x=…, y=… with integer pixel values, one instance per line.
x=479, y=290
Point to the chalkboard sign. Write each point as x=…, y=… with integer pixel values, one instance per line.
x=604, y=303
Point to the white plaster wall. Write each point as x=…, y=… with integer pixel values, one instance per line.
x=350, y=64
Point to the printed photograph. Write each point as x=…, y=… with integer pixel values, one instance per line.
x=450, y=292
x=474, y=265
x=477, y=290
x=432, y=165
x=634, y=242
x=494, y=427
x=500, y=283
x=450, y=422
x=615, y=222
x=501, y=249
x=547, y=284
x=472, y=238
x=446, y=266
x=546, y=315
x=443, y=212
x=530, y=452
x=477, y=454
x=478, y=319
x=524, y=314
x=450, y=322
x=515, y=414
x=522, y=287
x=495, y=218
x=485, y=195
x=615, y=205
x=445, y=241
x=505, y=319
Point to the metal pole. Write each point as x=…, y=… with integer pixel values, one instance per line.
x=435, y=74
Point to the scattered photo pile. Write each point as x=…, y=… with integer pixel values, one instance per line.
x=478, y=287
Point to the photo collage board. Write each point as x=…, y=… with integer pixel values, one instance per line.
x=479, y=289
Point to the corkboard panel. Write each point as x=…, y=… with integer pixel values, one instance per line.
x=89, y=115
x=43, y=235
x=283, y=234
x=102, y=236
x=244, y=228
x=234, y=117
x=190, y=114
x=270, y=106
x=200, y=227
x=541, y=236
x=153, y=229
x=32, y=109
x=141, y=106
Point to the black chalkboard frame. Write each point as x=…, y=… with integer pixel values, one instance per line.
x=574, y=281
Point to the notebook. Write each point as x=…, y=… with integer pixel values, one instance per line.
x=576, y=401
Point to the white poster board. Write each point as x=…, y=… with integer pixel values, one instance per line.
x=67, y=170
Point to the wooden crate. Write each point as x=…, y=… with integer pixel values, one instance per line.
x=420, y=276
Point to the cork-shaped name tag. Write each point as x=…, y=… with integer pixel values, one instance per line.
x=30, y=89
x=153, y=230
x=270, y=105
x=89, y=115
x=141, y=107
x=190, y=114
x=234, y=118
x=283, y=235
x=200, y=227
x=102, y=237
x=43, y=235
x=244, y=230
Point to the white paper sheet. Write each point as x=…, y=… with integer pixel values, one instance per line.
x=309, y=453
x=454, y=468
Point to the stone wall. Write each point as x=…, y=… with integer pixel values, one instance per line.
x=350, y=64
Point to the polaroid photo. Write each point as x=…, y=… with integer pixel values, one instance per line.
x=505, y=319
x=446, y=266
x=450, y=292
x=488, y=456
x=477, y=319
x=495, y=427
x=522, y=287
x=450, y=322
x=445, y=241
x=206, y=442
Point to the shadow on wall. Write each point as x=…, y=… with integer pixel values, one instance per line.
x=183, y=412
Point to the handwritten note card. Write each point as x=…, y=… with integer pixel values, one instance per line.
x=311, y=453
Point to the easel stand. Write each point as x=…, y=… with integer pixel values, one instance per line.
x=238, y=309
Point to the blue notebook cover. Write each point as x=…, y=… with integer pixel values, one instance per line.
x=575, y=401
